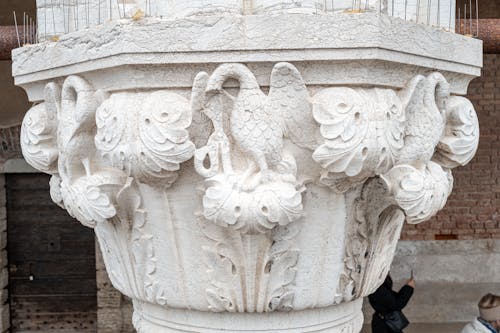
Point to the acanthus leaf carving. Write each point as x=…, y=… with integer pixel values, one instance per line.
x=420, y=193
x=38, y=132
x=145, y=135
x=363, y=133
x=411, y=181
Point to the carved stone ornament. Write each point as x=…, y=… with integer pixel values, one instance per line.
x=243, y=201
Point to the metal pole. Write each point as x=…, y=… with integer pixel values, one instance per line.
x=449, y=23
x=418, y=11
x=470, y=17
x=17, y=30
x=465, y=18
x=429, y=4
x=64, y=15
x=439, y=14
x=477, y=17
x=53, y=17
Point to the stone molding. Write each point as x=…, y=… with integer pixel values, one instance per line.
x=349, y=49
x=294, y=199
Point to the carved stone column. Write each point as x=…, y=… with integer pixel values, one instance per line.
x=250, y=173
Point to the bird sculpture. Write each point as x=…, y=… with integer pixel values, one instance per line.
x=425, y=107
x=258, y=122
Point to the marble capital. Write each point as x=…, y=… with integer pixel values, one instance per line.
x=254, y=197
x=245, y=201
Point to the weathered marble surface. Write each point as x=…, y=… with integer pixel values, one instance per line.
x=227, y=185
x=56, y=18
x=362, y=49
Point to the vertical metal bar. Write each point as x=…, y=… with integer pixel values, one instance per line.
x=429, y=4
x=477, y=18
x=53, y=18
x=37, y=40
x=17, y=30
x=459, y=21
x=406, y=8
x=449, y=23
x=465, y=18
x=77, y=14
x=418, y=11
x=439, y=14
x=64, y=15
x=30, y=29
x=24, y=28
x=392, y=8
x=45, y=21
x=471, y=15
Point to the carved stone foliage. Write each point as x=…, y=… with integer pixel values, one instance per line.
x=56, y=138
x=378, y=156
x=145, y=134
x=97, y=171
x=252, y=196
x=405, y=145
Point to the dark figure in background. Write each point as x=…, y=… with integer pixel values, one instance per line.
x=384, y=300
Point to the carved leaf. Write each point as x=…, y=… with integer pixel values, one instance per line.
x=420, y=193
x=86, y=200
x=283, y=258
x=461, y=139
x=362, y=133
x=383, y=244
x=270, y=204
x=39, y=132
x=161, y=119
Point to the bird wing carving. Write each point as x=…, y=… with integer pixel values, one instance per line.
x=424, y=102
x=288, y=95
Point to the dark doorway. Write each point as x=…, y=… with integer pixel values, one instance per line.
x=52, y=281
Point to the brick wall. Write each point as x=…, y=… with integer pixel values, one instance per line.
x=473, y=209
x=4, y=274
x=9, y=143
x=114, y=311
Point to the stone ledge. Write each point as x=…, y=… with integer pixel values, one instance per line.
x=366, y=43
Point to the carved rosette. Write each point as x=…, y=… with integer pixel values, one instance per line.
x=235, y=229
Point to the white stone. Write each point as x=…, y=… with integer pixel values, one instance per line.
x=56, y=18
x=220, y=204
